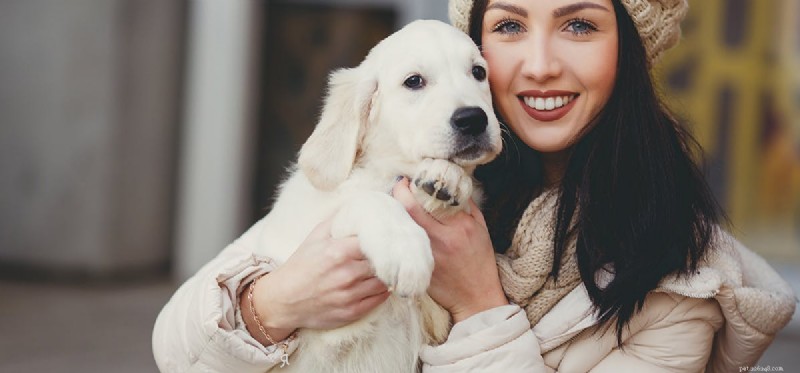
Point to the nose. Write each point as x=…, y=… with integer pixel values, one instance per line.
x=541, y=60
x=470, y=120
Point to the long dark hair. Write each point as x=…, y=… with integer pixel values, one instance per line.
x=644, y=210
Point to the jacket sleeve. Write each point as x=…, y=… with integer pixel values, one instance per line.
x=197, y=331
x=496, y=340
x=680, y=341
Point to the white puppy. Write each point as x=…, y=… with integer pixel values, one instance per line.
x=419, y=105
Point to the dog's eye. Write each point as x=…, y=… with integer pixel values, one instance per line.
x=479, y=73
x=414, y=82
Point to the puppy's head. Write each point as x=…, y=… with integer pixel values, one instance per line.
x=420, y=93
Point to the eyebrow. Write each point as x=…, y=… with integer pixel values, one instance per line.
x=572, y=8
x=509, y=8
x=560, y=12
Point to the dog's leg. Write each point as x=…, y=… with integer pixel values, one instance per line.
x=442, y=187
x=435, y=320
x=397, y=247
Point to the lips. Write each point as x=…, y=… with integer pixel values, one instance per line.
x=547, y=106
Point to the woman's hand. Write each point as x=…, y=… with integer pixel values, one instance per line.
x=325, y=284
x=465, y=279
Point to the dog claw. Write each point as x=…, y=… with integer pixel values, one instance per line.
x=443, y=195
x=427, y=187
x=430, y=187
x=441, y=187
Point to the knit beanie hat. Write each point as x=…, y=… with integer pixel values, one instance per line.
x=658, y=21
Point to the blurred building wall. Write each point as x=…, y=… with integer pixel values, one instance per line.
x=216, y=146
x=88, y=127
x=735, y=77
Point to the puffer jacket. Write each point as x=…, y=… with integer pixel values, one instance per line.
x=720, y=319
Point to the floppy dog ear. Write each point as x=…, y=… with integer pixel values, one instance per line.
x=327, y=157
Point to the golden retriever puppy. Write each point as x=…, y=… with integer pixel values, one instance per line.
x=418, y=105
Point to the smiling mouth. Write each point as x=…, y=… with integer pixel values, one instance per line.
x=548, y=103
x=547, y=109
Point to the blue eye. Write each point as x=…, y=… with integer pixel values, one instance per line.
x=580, y=27
x=508, y=27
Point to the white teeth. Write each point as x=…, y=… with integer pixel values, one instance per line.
x=547, y=104
x=539, y=103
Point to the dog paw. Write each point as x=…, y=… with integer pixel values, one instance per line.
x=441, y=186
x=405, y=262
x=398, y=249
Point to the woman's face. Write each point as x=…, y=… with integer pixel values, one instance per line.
x=552, y=65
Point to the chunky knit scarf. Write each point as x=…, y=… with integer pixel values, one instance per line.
x=525, y=267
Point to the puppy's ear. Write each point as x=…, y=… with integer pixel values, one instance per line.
x=327, y=157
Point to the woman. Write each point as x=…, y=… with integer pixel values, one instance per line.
x=616, y=260
x=608, y=258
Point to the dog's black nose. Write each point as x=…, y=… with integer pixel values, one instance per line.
x=469, y=120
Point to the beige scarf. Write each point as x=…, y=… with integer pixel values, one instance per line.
x=525, y=267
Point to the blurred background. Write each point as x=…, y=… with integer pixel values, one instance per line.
x=139, y=137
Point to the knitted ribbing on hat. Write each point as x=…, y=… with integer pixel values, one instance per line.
x=525, y=268
x=658, y=21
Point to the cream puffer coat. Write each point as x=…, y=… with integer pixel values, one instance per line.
x=719, y=320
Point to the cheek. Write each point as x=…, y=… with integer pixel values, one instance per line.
x=501, y=62
x=498, y=60
x=604, y=69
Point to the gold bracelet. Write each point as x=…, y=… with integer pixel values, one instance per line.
x=284, y=346
x=255, y=314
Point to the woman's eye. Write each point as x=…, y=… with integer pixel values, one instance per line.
x=580, y=27
x=508, y=27
x=414, y=82
x=479, y=73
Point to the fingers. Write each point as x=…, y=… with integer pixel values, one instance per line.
x=368, y=303
x=341, y=249
x=347, y=248
x=402, y=193
x=368, y=287
x=351, y=274
x=353, y=303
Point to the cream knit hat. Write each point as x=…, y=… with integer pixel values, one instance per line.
x=658, y=21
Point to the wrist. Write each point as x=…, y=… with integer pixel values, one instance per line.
x=261, y=321
x=485, y=304
x=268, y=304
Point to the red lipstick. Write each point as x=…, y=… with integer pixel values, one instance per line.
x=547, y=115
